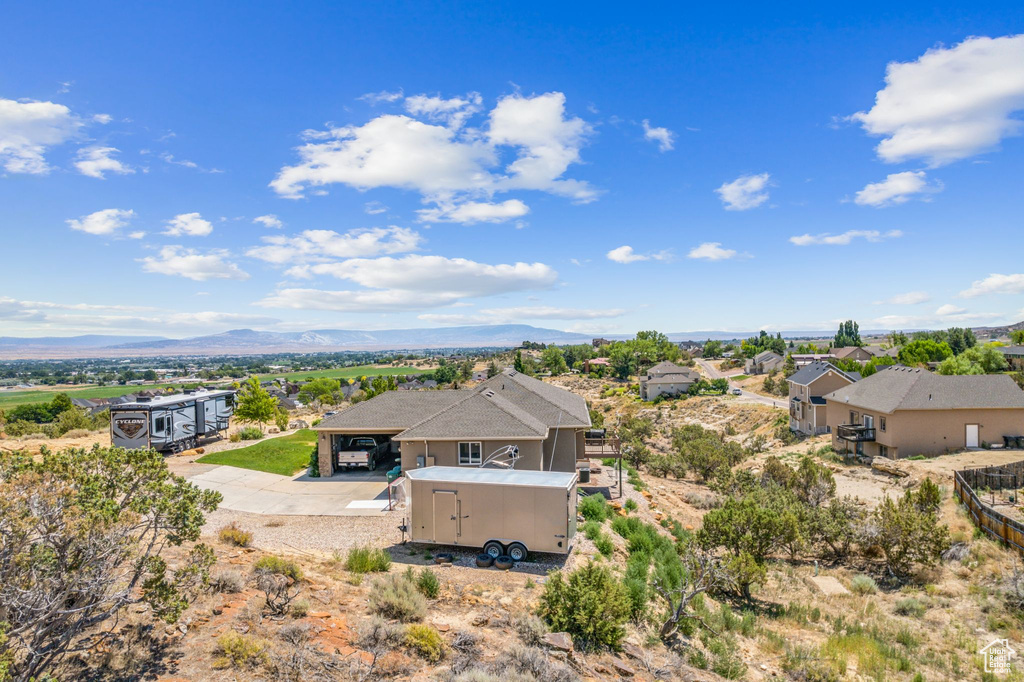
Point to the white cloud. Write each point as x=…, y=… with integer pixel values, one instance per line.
x=995, y=284
x=169, y=158
x=95, y=161
x=909, y=298
x=108, y=221
x=270, y=220
x=322, y=245
x=711, y=251
x=138, y=234
x=27, y=129
x=382, y=96
x=443, y=163
x=474, y=212
x=949, y=309
x=951, y=103
x=374, y=208
x=626, y=254
x=897, y=188
x=519, y=313
x=745, y=192
x=191, y=224
x=452, y=112
x=663, y=136
x=189, y=263
x=103, y=119
x=844, y=238
x=411, y=283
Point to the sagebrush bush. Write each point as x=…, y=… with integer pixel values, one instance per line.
x=250, y=433
x=396, y=596
x=425, y=641
x=594, y=508
x=279, y=566
x=428, y=584
x=631, y=505
x=233, y=535
x=911, y=607
x=300, y=608
x=240, y=651
x=379, y=636
x=227, y=580
x=367, y=560
x=589, y=603
x=604, y=545
x=530, y=628
x=863, y=584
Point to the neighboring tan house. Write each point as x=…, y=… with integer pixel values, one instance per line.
x=603, y=363
x=903, y=411
x=1014, y=356
x=851, y=353
x=804, y=359
x=464, y=427
x=764, y=362
x=666, y=378
x=807, y=388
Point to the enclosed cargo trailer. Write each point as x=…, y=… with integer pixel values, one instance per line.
x=504, y=511
x=172, y=422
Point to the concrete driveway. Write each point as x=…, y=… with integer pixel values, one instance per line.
x=347, y=494
x=745, y=396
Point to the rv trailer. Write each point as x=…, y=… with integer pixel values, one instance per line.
x=504, y=511
x=171, y=422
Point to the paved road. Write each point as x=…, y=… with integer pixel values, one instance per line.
x=746, y=396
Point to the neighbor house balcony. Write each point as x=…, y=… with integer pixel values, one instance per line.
x=855, y=433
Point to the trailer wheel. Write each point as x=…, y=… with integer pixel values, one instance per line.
x=503, y=562
x=484, y=560
x=517, y=551
x=494, y=548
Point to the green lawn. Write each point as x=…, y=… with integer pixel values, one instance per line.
x=285, y=455
x=345, y=373
x=13, y=398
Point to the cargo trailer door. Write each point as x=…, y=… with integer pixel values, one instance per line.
x=446, y=517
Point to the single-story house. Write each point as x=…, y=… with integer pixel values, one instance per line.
x=666, y=378
x=807, y=388
x=856, y=353
x=904, y=411
x=1014, y=356
x=803, y=359
x=764, y=362
x=589, y=365
x=464, y=427
x=480, y=375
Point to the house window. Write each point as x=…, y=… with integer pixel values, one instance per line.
x=854, y=417
x=881, y=423
x=469, y=454
x=160, y=425
x=883, y=451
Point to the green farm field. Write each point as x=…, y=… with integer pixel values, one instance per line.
x=9, y=399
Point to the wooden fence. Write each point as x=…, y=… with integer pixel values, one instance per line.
x=996, y=524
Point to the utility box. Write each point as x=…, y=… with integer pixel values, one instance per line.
x=476, y=507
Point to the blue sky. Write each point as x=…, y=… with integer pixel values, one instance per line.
x=184, y=169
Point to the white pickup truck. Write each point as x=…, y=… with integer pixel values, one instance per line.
x=361, y=451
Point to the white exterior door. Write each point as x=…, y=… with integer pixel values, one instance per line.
x=972, y=436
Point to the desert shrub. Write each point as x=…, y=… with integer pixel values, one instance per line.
x=588, y=603
x=530, y=628
x=233, y=535
x=300, y=608
x=594, y=507
x=379, y=636
x=863, y=584
x=702, y=500
x=227, y=580
x=604, y=545
x=281, y=419
x=367, y=560
x=522, y=663
x=425, y=641
x=910, y=607
x=279, y=566
x=250, y=433
x=395, y=596
x=908, y=531
x=235, y=650
x=235, y=437
x=428, y=584
x=631, y=505
x=592, y=530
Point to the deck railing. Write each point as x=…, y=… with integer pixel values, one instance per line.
x=855, y=432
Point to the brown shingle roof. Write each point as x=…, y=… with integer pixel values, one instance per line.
x=906, y=388
x=552, y=405
x=478, y=415
x=393, y=410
